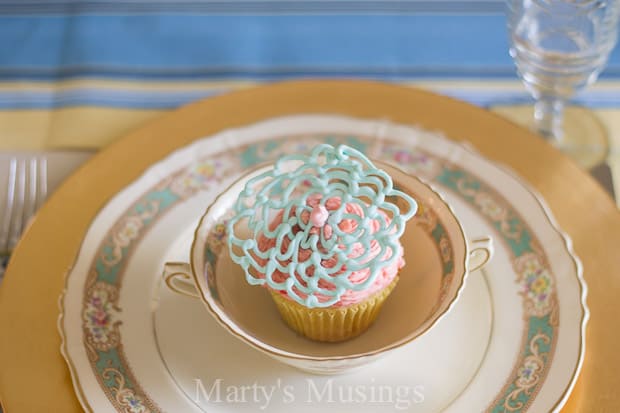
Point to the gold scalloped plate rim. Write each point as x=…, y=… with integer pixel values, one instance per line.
x=466, y=146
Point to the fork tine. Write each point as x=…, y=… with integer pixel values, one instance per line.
x=9, y=205
x=42, y=183
x=18, y=205
x=31, y=198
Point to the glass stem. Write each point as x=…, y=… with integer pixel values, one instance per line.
x=549, y=116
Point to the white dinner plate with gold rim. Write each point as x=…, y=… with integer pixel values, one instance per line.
x=513, y=342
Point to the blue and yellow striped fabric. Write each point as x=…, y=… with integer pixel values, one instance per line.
x=95, y=69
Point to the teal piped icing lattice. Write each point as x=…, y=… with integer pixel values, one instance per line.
x=347, y=194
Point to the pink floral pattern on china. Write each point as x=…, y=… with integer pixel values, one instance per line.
x=198, y=176
x=100, y=317
x=536, y=284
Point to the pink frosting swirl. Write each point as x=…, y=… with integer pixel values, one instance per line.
x=318, y=218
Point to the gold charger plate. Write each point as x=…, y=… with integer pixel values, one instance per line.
x=34, y=377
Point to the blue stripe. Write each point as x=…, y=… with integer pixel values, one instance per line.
x=52, y=47
x=224, y=74
x=249, y=47
x=51, y=100
x=249, y=74
x=169, y=100
x=249, y=6
x=486, y=99
x=263, y=47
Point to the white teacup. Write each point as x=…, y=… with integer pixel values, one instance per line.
x=438, y=258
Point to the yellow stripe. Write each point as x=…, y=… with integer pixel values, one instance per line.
x=94, y=127
x=83, y=127
x=86, y=127
x=106, y=84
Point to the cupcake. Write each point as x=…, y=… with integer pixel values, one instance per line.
x=321, y=233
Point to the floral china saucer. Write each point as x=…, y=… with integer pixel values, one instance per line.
x=513, y=342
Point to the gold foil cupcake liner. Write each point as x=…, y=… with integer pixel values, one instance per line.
x=332, y=324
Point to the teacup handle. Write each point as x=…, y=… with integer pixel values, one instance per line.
x=481, y=251
x=177, y=276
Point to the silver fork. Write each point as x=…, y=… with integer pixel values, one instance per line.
x=26, y=191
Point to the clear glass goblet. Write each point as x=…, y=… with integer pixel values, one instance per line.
x=560, y=47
